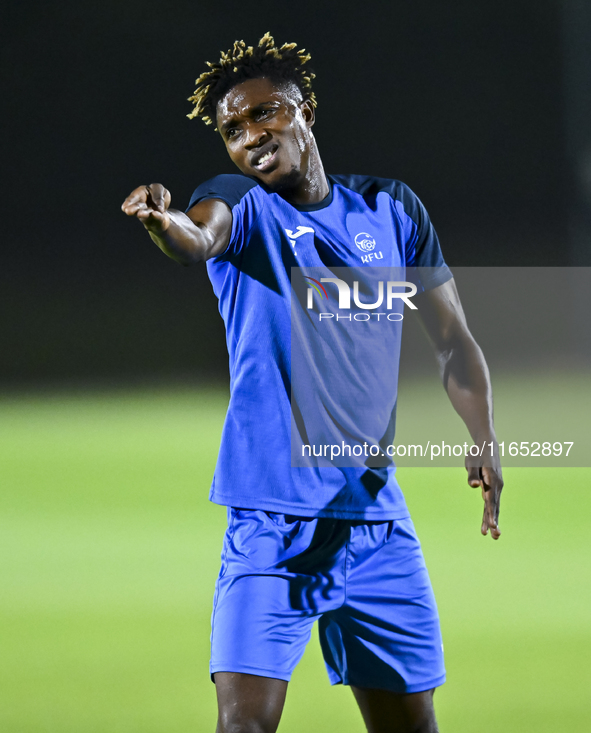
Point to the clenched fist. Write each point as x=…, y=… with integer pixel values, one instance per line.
x=150, y=205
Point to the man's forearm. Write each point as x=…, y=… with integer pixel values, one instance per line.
x=183, y=241
x=466, y=380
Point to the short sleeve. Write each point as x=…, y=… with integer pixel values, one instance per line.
x=235, y=191
x=422, y=250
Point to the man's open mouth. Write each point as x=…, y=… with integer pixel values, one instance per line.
x=264, y=159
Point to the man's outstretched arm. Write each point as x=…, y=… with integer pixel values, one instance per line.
x=466, y=380
x=203, y=232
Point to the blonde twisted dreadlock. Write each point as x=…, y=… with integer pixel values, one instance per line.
x=242, y=62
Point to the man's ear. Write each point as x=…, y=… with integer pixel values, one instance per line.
x=309, y=112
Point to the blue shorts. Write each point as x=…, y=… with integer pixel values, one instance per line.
x=365, y=582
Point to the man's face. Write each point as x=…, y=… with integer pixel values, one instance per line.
x=266, y=129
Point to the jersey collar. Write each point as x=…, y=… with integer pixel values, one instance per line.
x=326, y=201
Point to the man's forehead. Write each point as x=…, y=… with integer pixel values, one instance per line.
x=253, y=92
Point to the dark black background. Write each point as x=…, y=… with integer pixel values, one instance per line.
x=463, y=101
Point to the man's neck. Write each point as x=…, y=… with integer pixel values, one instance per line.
x=310, y=188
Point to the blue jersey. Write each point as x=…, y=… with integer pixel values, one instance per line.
x=364, y=222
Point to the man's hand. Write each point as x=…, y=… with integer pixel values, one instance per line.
x=203, y=232
x=150, y=205
x=490, y=480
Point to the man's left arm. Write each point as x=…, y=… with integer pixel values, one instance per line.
x=466, y=380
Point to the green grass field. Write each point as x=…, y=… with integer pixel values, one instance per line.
x=109, y=550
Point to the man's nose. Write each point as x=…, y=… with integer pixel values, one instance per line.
x=255, y=137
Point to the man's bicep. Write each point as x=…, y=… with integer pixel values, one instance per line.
x=214, y=218
x=440, y=313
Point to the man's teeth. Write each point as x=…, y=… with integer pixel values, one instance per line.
x=265, y=158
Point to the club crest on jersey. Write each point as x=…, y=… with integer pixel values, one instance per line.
x=365, y=242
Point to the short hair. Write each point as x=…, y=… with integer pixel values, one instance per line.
x=287, y=64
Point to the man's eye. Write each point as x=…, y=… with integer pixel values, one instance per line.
x=232, y=132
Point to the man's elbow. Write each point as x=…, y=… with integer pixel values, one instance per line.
x=456, y=345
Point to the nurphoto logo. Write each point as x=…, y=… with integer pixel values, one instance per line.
x=388, y=293
x=345, y=293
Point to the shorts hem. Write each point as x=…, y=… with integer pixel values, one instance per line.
x=247, y=669
x=431, y=684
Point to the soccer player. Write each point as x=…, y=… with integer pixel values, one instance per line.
x=325, y=542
